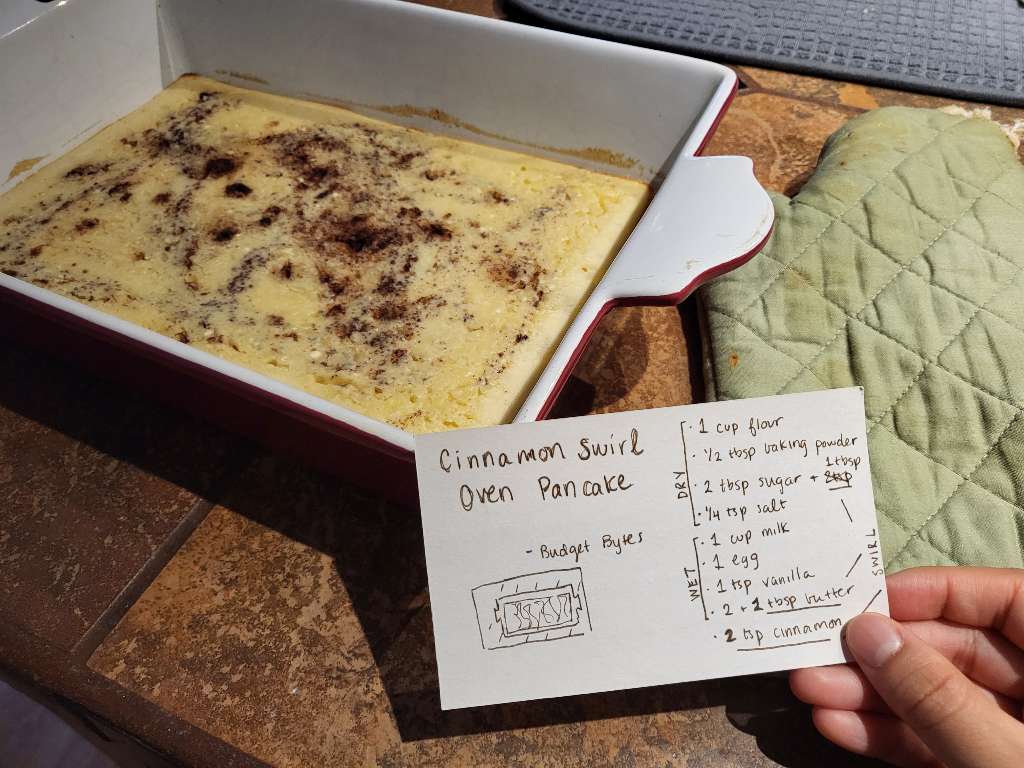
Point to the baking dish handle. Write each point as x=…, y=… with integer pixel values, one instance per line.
x=709, y=216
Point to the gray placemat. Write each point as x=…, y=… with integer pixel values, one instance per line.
x=971, y=49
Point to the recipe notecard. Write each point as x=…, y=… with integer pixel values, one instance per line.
x=648, y=547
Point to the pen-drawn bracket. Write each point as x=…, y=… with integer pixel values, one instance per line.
x=533, y=608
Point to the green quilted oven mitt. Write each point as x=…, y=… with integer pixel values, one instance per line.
x=898, y=268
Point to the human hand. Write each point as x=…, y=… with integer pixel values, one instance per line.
x=941, y=685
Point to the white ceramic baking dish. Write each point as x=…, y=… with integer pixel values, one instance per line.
x=78, y=65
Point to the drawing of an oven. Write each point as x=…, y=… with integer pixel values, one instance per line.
x=532, y=608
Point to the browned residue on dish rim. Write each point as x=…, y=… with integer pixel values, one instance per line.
x=25, y=165
x=593, y=154
x=243, y=76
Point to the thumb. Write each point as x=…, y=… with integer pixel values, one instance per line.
x=947, y=711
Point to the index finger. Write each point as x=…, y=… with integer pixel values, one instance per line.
x=977, y=597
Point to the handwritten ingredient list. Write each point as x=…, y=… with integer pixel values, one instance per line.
x=650, y=547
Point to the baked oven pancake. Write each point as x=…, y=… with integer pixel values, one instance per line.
x=415, y=278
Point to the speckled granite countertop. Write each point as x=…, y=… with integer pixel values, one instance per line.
x=178, y=591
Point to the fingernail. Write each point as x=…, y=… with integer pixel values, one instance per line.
x=873, y=639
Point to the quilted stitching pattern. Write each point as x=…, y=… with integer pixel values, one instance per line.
x=900, y=268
